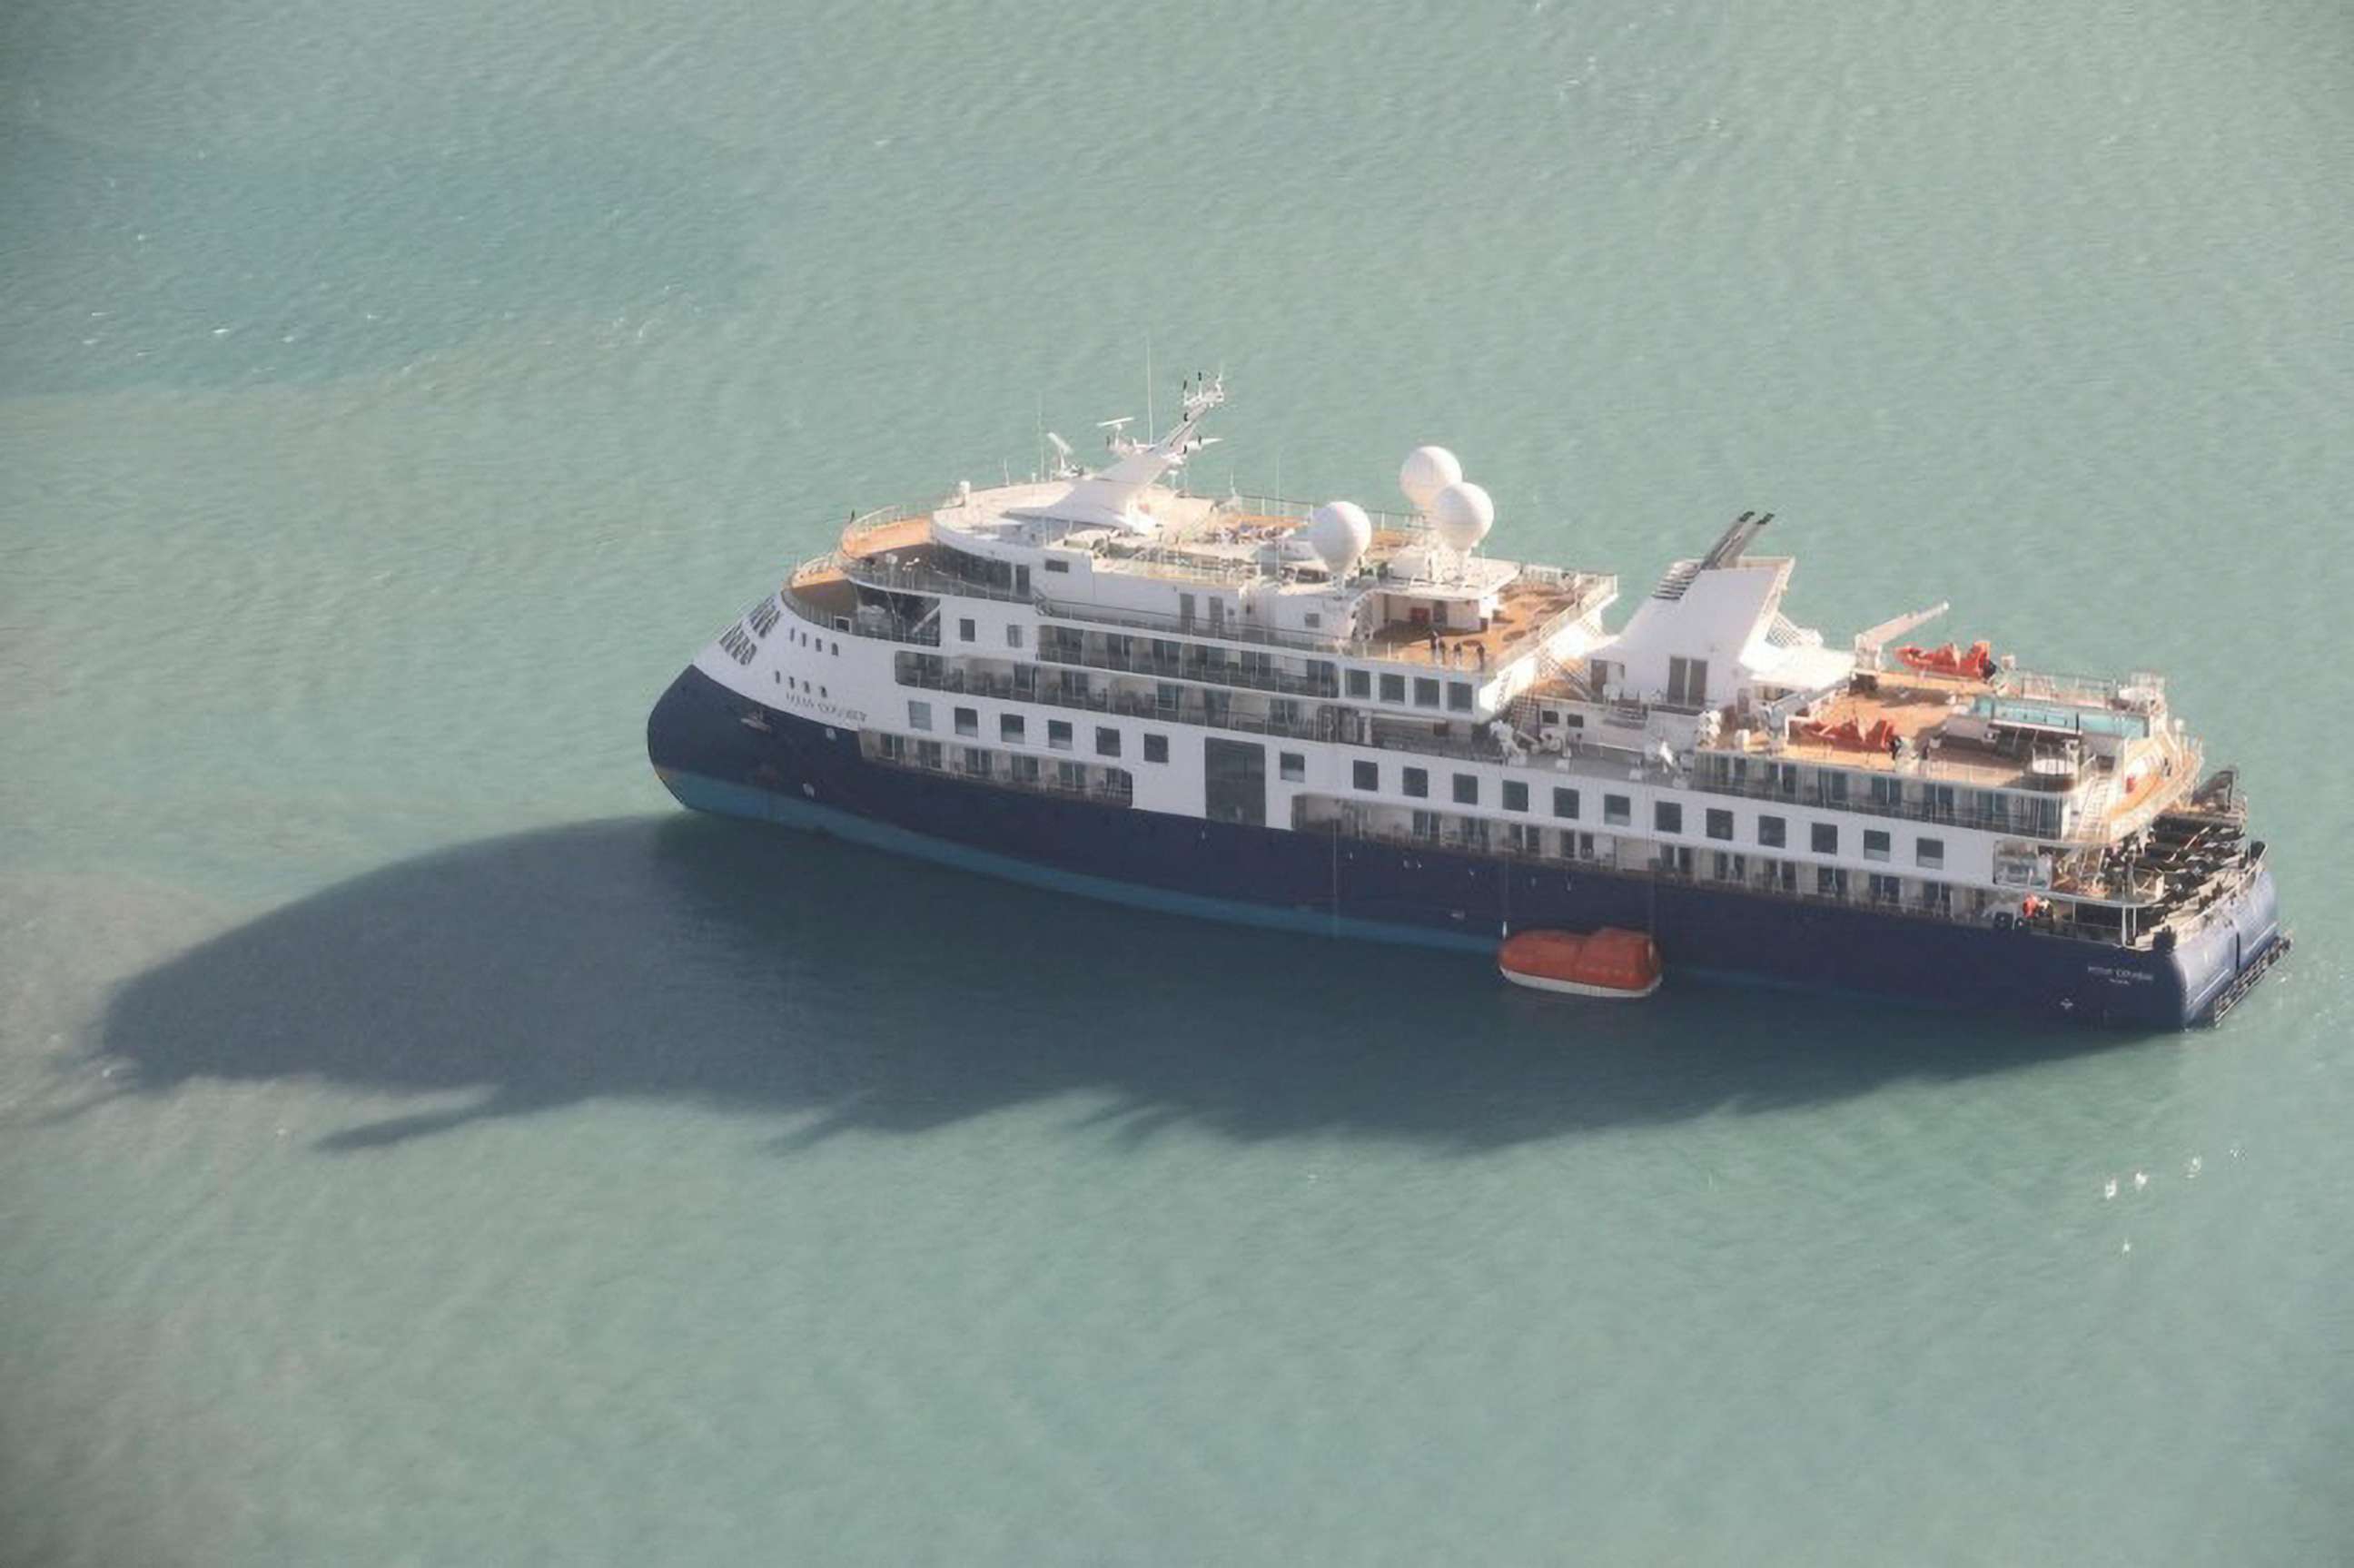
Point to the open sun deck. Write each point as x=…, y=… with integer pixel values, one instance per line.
x=1523, y=614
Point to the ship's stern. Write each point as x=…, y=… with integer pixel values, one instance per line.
x=2241, y=938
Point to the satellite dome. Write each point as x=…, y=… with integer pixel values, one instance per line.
x=1462, y=514
x=1427, y=471
x=1338, y=532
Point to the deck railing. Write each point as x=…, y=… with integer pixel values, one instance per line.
x=1220, y=672
x=1201, y=715
x=1495, y=847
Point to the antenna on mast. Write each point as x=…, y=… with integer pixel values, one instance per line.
x=1150, y=426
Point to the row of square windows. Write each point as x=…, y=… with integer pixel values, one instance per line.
x=1061, y=736
x=1667, y=816
x=1617, y=811
x=1014, y=729
x=810, y=640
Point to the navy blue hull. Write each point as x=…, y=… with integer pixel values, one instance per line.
x=804, y=774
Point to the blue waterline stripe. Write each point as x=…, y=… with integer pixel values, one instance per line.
x=708, y=794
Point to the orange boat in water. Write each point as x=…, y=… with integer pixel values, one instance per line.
x=1610, y=962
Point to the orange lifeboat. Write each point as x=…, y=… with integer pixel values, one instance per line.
x=1610, y=962
x=1847, y=733
x=1974, y=662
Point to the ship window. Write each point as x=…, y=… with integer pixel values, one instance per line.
x=1617, y=811
x=1831, y=881
x=1426, y=692
x=1365, y=775
x=1361, y=682
x=1009, y=727
x=1417, y=782
x=1565, y=802
x=1071, y=776
x=1058, y=734
x=1291, y=765
x=1467, y=788
x=919, y=715
x=1459, y=696
x=1425, y=826
x=1720, y=823
x=1026, y=767
x=1886, y=889
x=1054, y=566
x=1687, y=683
x=837, y=650
x=976, y=761
x=964, y=630
x=1392, y=688
x=968, y=721
x=1887, y=792
x=1826, y=838
x=894, y=748
x=1013, y=637
x=928, y=753
x=1773, y=832
x=1234, y=781
x=1313, y=619
x=1875, y=844
x=1929, y=852
x=1156, y=749
x=1667, y=816
x=1107, y=741
x=1516, y=795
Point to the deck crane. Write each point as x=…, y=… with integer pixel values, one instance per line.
x=1868, y=644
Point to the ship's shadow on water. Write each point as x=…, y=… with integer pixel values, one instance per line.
x=836, y=988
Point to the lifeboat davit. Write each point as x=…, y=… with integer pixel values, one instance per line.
x=1610, y=962
x=1974, y=662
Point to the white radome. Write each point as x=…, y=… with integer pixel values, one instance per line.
x=1462, y=514
x=1428, y=471
x=1339, y=532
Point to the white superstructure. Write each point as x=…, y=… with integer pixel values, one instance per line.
x=1098, y=633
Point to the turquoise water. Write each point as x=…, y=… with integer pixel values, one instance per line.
x=419, y=1144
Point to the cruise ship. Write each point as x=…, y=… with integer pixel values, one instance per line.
x=1358, y=722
